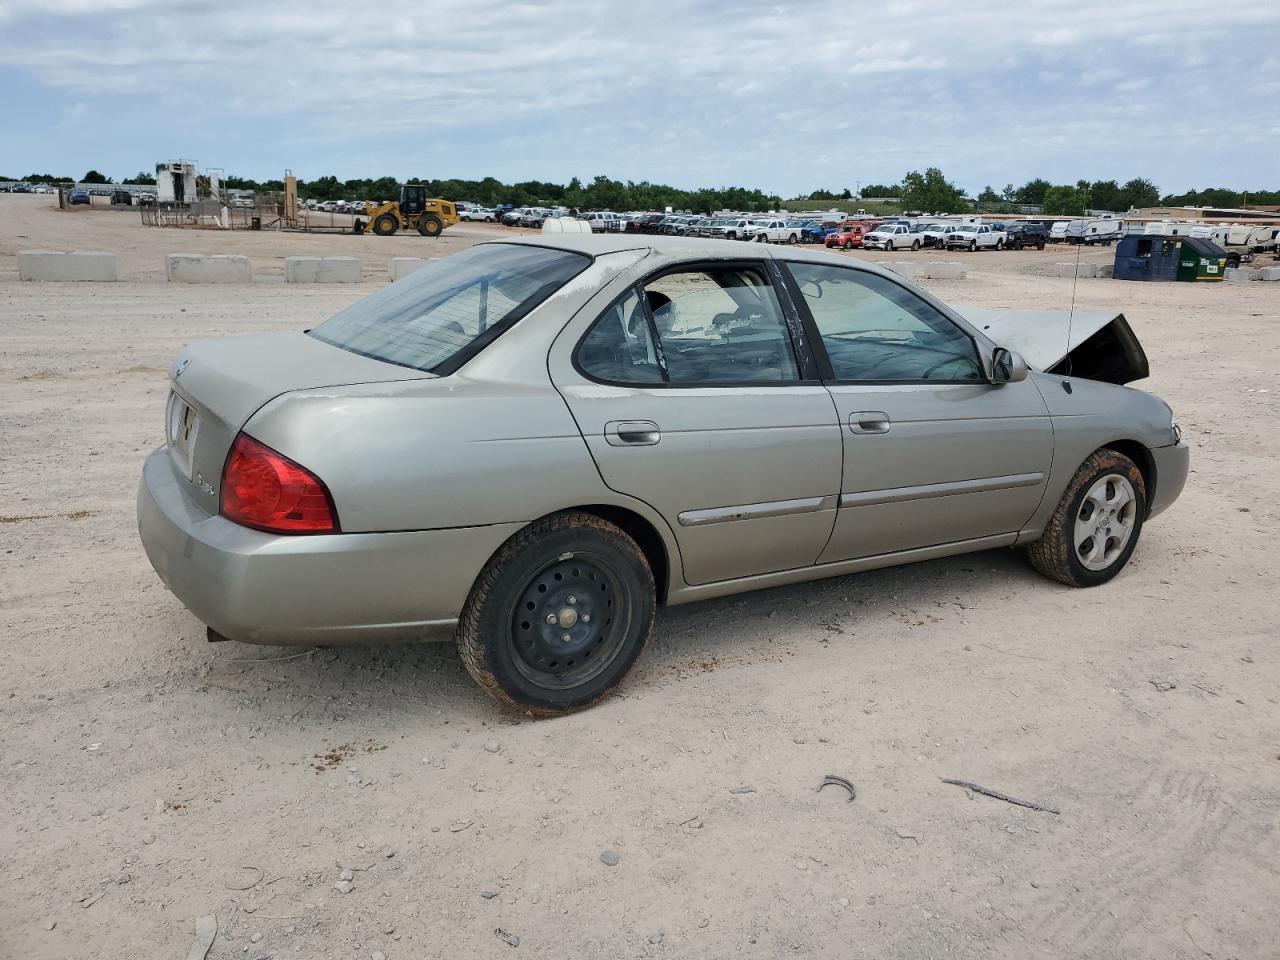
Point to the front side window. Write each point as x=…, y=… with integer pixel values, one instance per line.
x=715, y=325
x=875, y=330
x=451, y=308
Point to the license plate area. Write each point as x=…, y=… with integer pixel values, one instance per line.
x=182, y=425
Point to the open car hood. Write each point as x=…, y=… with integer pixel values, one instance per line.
x=1102, y=346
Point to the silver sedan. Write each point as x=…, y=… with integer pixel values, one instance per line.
x=528, y=446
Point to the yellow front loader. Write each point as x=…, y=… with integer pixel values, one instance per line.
x=413, y=210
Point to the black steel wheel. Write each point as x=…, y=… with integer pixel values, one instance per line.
x=559, y=615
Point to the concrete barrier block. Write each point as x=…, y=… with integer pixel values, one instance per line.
x=321, y=270
x=1076, y=269
x=903, y=268
x=1105, y=271
x=198, y=268
x=58, y=265
x=403, y=266
x=1237, y=275
x=1269, y=273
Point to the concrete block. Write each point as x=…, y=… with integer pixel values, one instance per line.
x=198, y=268
x=1237, y=275
x=1076, y=270
x=321, y=270
x=403, y=266
x=57, y=265
x=903, y=268
x=1269, y=273
x=1105, y=271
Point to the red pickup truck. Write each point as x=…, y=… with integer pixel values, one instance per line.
x=850, y=235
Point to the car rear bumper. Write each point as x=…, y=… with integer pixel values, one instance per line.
x=1172, y=464
x=328, y=589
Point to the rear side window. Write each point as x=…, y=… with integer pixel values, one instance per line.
x=440, y=316
x=711, y=326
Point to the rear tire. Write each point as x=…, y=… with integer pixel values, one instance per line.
x=385, y=225
x=1096, y=525
x=568, y=575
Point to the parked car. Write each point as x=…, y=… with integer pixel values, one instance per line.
x=1019, y=235
x=847, y=237
x=934, y=234
x=534, y=217
x=891, y=236
x=513, y=216
x=1058, y=232
x=776, y=231
x=645, y=223
x=286, y=505
x=22, y=188
x=602, y=221
x=79, y=196
x=974, y=236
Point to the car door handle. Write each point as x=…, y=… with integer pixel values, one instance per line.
x=632, y=433
x=869, y=421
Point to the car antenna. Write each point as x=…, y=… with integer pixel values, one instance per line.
x=1075, y=278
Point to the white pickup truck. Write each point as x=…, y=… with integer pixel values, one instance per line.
x=776, y=231
x=733, y=228
x=975, y=236
x=891, y=236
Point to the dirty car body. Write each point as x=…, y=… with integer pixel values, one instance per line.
x=531, y=432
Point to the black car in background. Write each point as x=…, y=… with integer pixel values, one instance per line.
x=1021, y=235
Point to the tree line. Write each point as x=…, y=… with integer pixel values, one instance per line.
x=929, y=191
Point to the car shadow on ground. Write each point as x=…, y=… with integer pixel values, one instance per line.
x=426, y=680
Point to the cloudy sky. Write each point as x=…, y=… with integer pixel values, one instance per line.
x=781, y=96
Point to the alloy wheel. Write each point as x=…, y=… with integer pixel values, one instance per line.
x=1105, y=522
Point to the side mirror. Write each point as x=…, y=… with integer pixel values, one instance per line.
x=1007, y=366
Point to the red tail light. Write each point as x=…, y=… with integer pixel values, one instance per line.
x=266, y=490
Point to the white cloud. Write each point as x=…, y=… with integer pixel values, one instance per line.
x=785, y=97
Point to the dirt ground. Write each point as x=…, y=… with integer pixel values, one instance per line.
x=150, y=778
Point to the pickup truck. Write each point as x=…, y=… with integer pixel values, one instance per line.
x=483, y=214
x=975, y=236
x=1019, y=235
x=776, y=231
x=733, y=228
x=846, y=237
x=891, y=236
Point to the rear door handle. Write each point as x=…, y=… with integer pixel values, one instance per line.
x=632, y=433
x=869, y=421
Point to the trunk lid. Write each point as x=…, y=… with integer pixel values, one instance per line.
x=217, y=385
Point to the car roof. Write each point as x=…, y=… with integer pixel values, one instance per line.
x=684, y=248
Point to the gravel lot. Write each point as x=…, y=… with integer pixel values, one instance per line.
x=151, y=778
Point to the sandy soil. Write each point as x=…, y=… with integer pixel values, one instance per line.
x=151, y=778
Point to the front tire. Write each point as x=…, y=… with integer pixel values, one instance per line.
x=973, y=246
x=1096, y=525
x=848, y=244
x=568, y=575
x=429, y=225
x=385, y=225
x=915, y=244
x=888, y=245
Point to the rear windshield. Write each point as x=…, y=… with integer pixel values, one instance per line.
x=443, y=314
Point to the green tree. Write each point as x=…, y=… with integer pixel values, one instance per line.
x=880, y=190
x=1064, y=200
x=1105, y=195
x=931, y=192
x=1033, y=191
x=93, y=176
x=141, y=177
x=1139, y=192
x=988, y=195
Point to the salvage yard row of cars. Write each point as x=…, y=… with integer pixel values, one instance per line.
x=896, y=233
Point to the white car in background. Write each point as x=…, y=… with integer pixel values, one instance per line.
x=935, y=235
x=975, y=236
x=891, y=236
x=776, y=231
